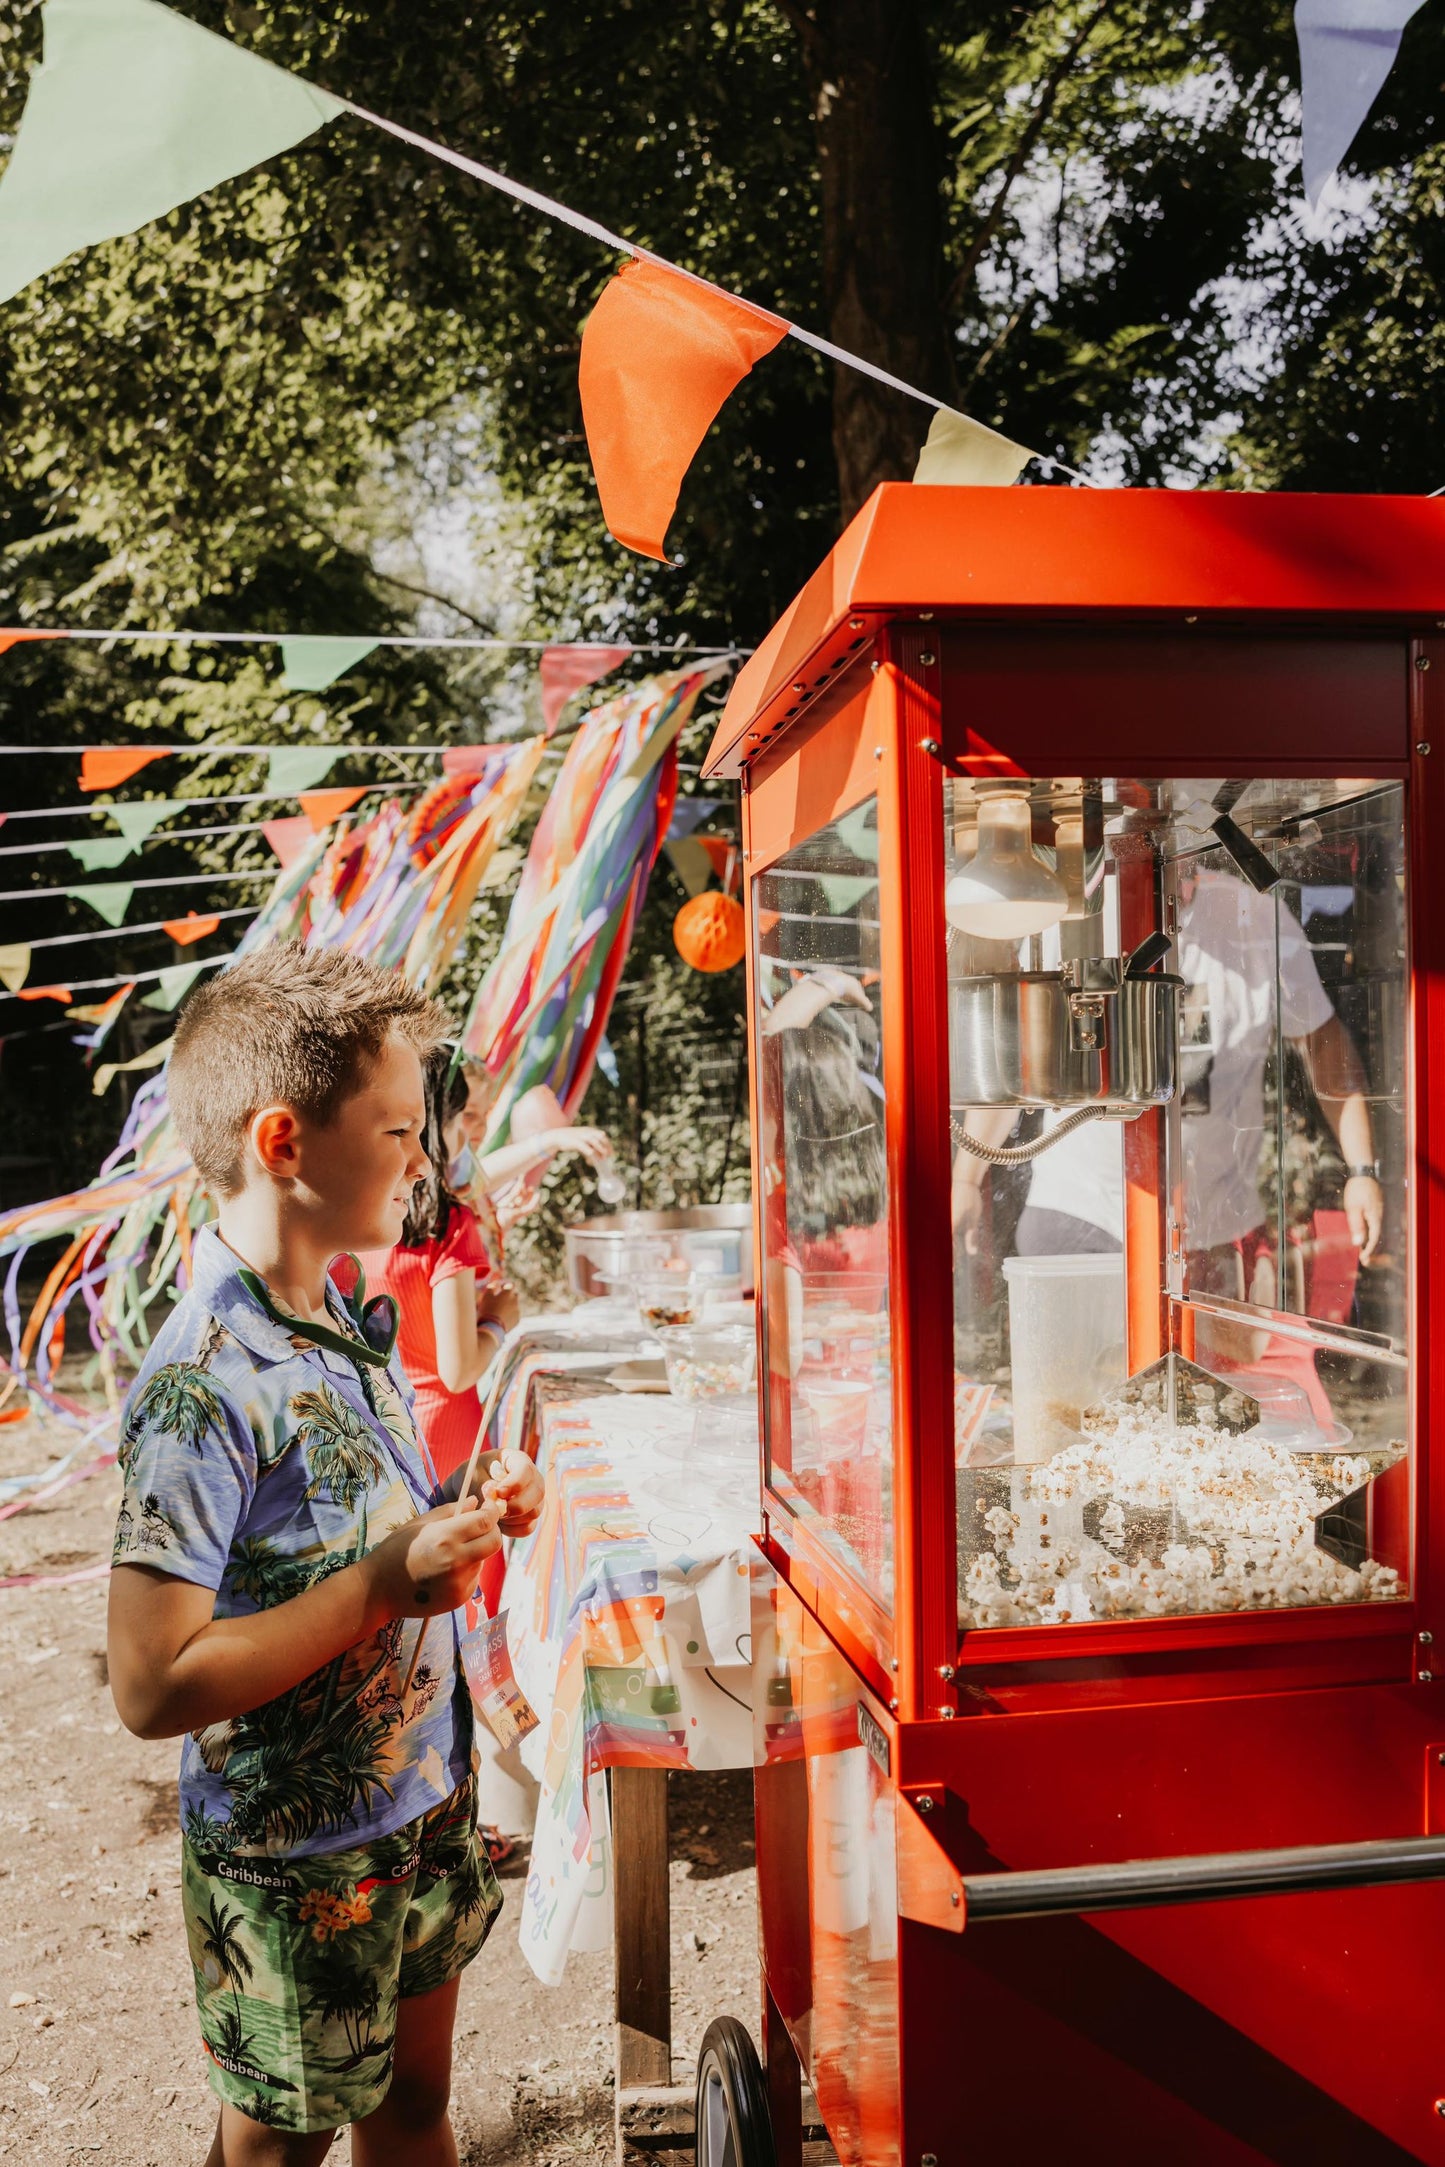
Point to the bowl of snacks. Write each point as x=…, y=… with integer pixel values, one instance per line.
x=704, y=1360
x=666, y=1299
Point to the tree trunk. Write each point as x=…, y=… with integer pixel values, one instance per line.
x=870, y=81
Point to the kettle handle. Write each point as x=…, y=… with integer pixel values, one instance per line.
x=1151, y=950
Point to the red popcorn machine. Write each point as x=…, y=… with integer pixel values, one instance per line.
x=1095, y=999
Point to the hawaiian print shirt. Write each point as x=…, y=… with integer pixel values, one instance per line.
x=255, y=1463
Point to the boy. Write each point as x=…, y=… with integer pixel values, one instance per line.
x=274, y=1541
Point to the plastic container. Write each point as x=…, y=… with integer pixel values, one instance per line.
x=666, y=1299
x=595, y=1246
x=1066, y=1333
x=725, y=1429
x=704, y=1360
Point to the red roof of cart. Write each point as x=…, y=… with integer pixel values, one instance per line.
x=1074, y=552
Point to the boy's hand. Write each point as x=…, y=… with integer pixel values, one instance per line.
x=518, y=1489
x=431, y=1565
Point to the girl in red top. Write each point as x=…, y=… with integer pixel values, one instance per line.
x=453, y=1307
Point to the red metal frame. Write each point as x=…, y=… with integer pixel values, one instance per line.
x=1044, y=632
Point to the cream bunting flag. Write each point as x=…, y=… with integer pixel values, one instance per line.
x=961, y=451
x=14, y=965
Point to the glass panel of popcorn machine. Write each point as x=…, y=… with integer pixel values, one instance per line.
x=1177, y=1074
x=825, y=1193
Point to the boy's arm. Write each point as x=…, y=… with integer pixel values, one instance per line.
x=175, y=1667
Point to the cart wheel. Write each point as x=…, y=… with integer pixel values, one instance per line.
x=734, y=2128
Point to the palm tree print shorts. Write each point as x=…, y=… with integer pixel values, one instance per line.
x=300, y=1963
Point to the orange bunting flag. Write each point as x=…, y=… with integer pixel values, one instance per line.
x=660, y=354
x=13, y=639
x=46, y=993
x=103, y=767
x=321, y=807
x=289, y=838
x=568, y=670
x=468, y=759
x=192, y=927
x=102, y=1011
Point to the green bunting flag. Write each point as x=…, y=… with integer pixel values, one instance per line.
x=176, y=983
x=101, y=852
x=294, y=768
x=110, y=898
x=133, y=111
x=691, y=863
x=843, y=892
x=142, y=816
x=310, y=664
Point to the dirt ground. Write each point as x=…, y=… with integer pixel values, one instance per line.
x=99, y=2051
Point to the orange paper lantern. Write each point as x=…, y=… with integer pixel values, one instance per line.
x=708, y=931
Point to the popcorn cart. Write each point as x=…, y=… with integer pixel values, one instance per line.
x=1096, y=1000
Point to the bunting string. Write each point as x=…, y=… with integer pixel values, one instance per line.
x=160, y=880
x=399, y=888
x=237, y=797
x=138, y=635
x=124, y=932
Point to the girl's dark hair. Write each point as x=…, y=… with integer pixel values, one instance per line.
x=837, y=1156
x=432, y=1202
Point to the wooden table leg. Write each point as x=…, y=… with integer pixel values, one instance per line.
x=648, y=2105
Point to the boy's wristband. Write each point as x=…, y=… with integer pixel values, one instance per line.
x=495, y=1331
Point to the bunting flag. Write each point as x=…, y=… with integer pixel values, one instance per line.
x=46, y=993
x=540, y=1011
x=698, y=860
x=109, y=898
x=691, y=864
x=294, y=768
x=14, y=965
x=310, y=664
x=690, y=813
x=193, y=927
x=1346, y=50
x=134, y=111
x=961, y=451
x=106, y=1074
x=175, y=983
x=467, y=759
x=101, y=853
x=566, y=671
x=17, y=639
x=98, y=1011
x=103, y=1014
x=660, y=354
x=290, y=838
x=139, y=817
x=103, y=767
x=323, y=807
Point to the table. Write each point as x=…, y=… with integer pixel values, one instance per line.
x=629, y=1626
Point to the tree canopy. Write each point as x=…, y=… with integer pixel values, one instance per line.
x=339, y=394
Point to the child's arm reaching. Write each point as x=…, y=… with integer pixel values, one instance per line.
x=175, y=1667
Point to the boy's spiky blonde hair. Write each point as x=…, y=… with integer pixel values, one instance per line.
x=287, y=1026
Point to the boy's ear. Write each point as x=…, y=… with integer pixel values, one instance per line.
x=274, y=1135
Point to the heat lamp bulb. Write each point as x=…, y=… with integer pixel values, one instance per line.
x=1004, y=892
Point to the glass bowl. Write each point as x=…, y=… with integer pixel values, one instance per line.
x=666, y=1299
x=705, y=1360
